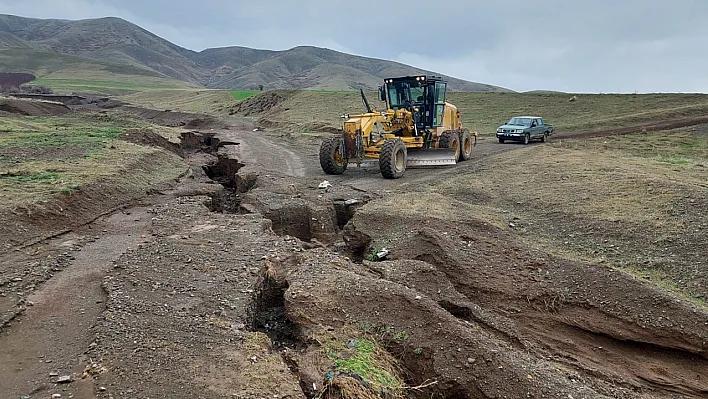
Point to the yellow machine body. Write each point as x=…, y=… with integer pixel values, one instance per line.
x=425, y=131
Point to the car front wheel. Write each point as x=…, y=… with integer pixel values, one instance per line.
x=527, y=138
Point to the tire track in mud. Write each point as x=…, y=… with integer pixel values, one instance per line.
x=645, y=127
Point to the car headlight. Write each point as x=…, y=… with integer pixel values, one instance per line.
x=518, y=131
x=499, y=130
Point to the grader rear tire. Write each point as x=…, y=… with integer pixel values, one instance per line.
x=330, y=160
x=393, y=158
x=465, y=145
x=450, y=139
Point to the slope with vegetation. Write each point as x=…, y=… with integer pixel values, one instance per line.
x=141, y=53
x=320, y=111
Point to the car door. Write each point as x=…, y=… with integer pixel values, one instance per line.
x=539, y=127
x=533, y=130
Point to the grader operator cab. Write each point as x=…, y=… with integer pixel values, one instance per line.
x=419, y=128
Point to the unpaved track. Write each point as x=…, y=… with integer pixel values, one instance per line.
x=53, y=333
x=255, y=148
x=368, y=177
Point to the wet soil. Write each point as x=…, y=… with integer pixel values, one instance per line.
x=213, y=286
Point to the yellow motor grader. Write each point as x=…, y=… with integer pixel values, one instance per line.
x=419, y=128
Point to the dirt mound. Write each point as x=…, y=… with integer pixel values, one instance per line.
x=260, y=104
x=152, y=139
x=33, y=108
x=448, y=356
x=172, y=118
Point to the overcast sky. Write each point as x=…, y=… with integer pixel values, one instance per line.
x=567, y=45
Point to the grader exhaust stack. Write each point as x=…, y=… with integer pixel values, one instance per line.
x=418, y=128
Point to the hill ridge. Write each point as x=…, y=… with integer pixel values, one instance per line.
x=119, y=41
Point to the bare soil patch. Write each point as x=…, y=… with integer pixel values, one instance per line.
x=647, y=127
x=170, y=118
x=260, y=104
x=18, y=154
x=33, y=108
x=151, y=139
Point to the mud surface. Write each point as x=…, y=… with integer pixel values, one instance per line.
x=226, y=282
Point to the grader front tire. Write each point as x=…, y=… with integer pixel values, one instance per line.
x=450, y=139
x=330, y=159
x=393, y=158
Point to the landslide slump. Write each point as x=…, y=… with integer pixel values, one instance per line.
x=612, y=334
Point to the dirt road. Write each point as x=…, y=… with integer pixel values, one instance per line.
x=169, y=299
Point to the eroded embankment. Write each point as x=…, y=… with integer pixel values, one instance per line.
x=274, y=292
x=612, y=333
x=466, y=311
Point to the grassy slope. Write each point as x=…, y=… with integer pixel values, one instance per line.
x=486, y=111
x=633, y=202
x=191, y=100
x=41, y=157
x=119, y=41
x=65, y=73
x=307, y=111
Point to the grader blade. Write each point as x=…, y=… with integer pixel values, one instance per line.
x=432, y=157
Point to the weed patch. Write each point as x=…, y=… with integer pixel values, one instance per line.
x=25, y=177
x=240, y=95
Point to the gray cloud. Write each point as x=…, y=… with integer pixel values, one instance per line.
x=598, y=46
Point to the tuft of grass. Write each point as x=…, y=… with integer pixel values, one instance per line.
x=32, y=177
x=375, y=249
x=357, y=366
x=69, y=188
x=366, y=364
x=240, y=95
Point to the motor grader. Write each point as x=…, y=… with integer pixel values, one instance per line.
x=419, y=128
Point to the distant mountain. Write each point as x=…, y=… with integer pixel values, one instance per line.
x=120, y=42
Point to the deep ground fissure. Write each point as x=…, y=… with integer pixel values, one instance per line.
x=223, y=171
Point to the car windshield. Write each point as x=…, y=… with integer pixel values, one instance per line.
x=520, y=122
